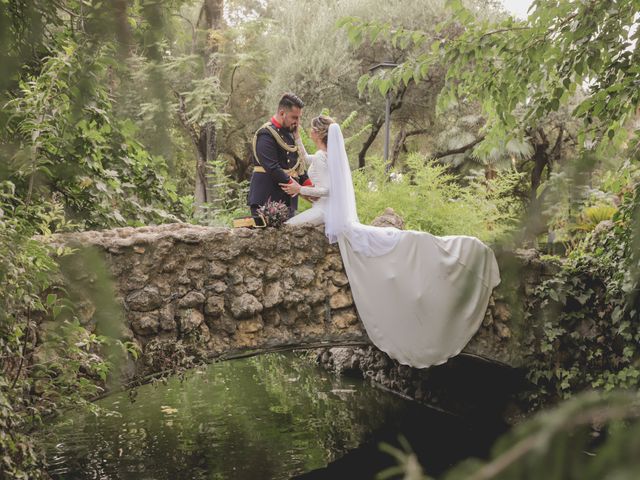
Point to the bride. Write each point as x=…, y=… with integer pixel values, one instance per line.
x=420, y=297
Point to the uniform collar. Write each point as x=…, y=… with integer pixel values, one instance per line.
x=275, y=122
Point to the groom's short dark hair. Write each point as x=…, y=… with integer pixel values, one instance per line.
x=290, y=100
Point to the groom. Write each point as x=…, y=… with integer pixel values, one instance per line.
x=275, y=157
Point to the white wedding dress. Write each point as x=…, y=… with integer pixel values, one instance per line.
x=319, y=175
x=420, y=297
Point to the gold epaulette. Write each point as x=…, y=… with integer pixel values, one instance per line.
x=288, y=148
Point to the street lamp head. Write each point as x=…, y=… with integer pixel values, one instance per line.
x=383, y=66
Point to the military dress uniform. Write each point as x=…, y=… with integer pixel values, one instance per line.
x=275, y=161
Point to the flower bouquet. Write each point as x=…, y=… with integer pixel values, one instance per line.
x=273, y=213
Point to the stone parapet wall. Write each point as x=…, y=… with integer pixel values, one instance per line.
x=227, y=291
x=223, y=290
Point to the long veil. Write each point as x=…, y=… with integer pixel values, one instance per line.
x=341, y=218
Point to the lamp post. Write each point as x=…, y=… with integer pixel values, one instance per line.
x=387, y=110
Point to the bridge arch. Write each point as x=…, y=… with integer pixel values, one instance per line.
x=227, y=292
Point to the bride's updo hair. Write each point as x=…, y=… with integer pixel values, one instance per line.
x=321, y=126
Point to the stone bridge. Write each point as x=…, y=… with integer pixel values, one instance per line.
x=180, y=288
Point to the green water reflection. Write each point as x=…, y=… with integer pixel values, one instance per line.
x=269, y=417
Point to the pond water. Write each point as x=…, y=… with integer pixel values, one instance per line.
x=276, y=416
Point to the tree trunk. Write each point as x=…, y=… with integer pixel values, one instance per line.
x=377, y=125
x=211, y=15
x=207, y=153
x=375, y=128
x=536, y=224
x=397, y=146
x=200, y=194
x=210, y=18
x=540, y=159
x=490, y=171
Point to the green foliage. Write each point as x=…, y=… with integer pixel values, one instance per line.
x=590, y=437
x=229, y=198
x=595, y=214
x=48, y=361
x=68, y=161
x=408, y=464
x=82, y=154
x=587, y=331
x=428, y=198
x=24, y=271
x=577, y=199
x=520, y=71
x=560, y=443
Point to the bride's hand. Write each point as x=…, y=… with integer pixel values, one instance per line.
x=292, y=188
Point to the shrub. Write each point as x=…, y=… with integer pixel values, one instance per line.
x=430, y=199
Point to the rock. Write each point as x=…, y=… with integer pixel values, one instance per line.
x=170, y=266
x=273, y=294
x=501, y=312
x=339, y=279
x=293, y=297
x=304, y=276
x=344, y=319
x=342, y=359
x=245, y=306
x=272, y=317
x=253, y=284
x=214, y=306
x=389, y=218
x=144, y=300
x=603, y=227
x=251, y=326
x=488, y=318
x=225, y=324
x=85, y=311
x=191, y=300
x=190, y=319
x=288, y=317
x=126, y=333
x=204, y=333
x=254, y=266
x=527, y=255
x=167, y=318
x=316, y=296
x=218, y=287
x=334, y=262
x=146, y=324
x=341, y=299
x=304, y=312
x=195, y=265
x=217, y=270
x=272, y=272
x=164, y=285
x=502, y=330
x=236, y=277
x=136, y=280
